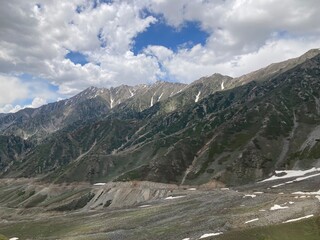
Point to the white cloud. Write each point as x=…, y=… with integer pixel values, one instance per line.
x=36, y=102
x=160, y=52
x=273, y=51
x=190, y=64
x=9, y=108
x=14, y=91
x=240, y=26
x=36, y=35
x=11, y=89
x=245, y=35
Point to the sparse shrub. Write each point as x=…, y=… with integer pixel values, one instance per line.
x=3, y=237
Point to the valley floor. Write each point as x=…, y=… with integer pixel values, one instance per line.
x=144, y=210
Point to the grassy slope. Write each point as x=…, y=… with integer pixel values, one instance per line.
x=302, y=230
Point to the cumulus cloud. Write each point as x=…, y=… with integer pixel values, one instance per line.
x=244, y=35
x=36, y=36
x=16, y=94
x=189, y=64
x=9, y=108
x=36, y=102
x=11, y=89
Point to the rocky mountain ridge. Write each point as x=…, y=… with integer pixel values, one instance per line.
x=215, y=129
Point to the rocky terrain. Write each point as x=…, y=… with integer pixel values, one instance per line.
x=285, y=206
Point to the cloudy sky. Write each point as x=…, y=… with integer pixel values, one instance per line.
x=53, y=49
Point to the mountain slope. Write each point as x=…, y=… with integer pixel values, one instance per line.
x=275, y=69
x=234, y=136
x=92, y=103
x=238, y=135
x=12, y=149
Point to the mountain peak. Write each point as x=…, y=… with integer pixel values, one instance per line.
x=312, y=53
x=275, y=68
x=218, y=75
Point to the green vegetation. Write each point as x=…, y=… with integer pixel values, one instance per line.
x=3, y=237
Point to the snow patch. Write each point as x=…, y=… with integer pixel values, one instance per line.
x=222, y=86
x=291, y=174
x=299, y=179
x=160, y=97
x=14, y=238
x=281, y=184
x=307, y=177
x=175, y=197
x=197, y=97
x=278, y=207
x=111, y=101
x=99, y=184
x=210, y=235
x=307, y=193
x=144, y=206
x=192, y=189
x=225, y=189
x=258, y=192
x=298, y=219
x=250, y=195
x=252, y=220
x=151, y=101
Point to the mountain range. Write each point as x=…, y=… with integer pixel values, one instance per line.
x=217, y=129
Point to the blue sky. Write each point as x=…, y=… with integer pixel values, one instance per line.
x=54, y=49
x=77, y=58
x=162, y=34
x=44, y=89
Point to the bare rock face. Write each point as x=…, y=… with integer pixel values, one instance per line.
x=92, y=103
